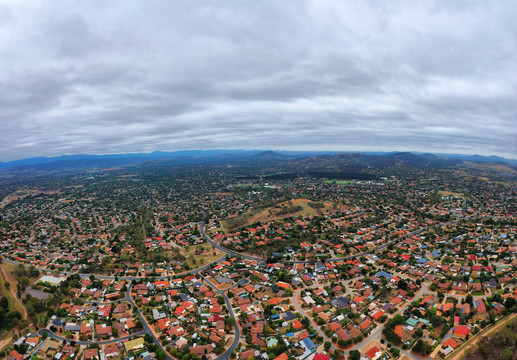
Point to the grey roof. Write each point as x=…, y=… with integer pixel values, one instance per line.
x=158, y=315
x=340, y=301
x=288, y=316
x=222, y=280
x=72, y=327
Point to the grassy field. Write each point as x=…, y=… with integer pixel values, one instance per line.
x=14, y=302
x=339, y=182
x=471, y=344
x=5, y=339
x=449, y=193
x=5, y=336
x=275, y=213
x=491, y=167
x=201, y=254
x=504, y=183
x=22, y=194
x=7, y=274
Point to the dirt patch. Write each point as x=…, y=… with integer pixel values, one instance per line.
x=5, y=342
x=371, y=344
x=223, y=287
x=450, y=193
x=470, y=344
x=493, y=167
x=200, y=254
x=223, y=194
x=22, y=194
x=17, y=304
x=295, y=207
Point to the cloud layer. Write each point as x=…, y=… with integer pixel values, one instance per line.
x=124, y=76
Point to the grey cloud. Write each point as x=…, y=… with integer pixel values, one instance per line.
x=124, y=76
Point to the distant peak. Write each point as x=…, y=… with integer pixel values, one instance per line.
x=271, y=154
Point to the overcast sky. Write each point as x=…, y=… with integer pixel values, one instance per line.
x=101, y=77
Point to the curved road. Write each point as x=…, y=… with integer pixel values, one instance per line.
x=333, y=259
x=226, y=354
x=146, y=329
x=249, y=257
x=233, y=346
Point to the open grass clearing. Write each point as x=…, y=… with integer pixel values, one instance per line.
x=491, y=167
x=22, y=194
x=291, y=208
x=200, y=254
x=450, y=193
x=14, y=302
x=339, y=182
x=472, y=342
x=5, y=339
x=504, y=183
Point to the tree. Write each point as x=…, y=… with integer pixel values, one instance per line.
x=327, y=345
x=160, y=354
x=421, y=347
x=305, y=321
x=355, y=355
x=4, y=302
x=148, y=338
x=398, y=320
x=402, y=284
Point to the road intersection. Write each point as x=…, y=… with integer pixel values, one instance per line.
x=376, y=334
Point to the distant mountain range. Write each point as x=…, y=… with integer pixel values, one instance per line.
x=272, y=155
x=199, y=157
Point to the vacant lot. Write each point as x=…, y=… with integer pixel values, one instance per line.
x=6, y=276
x=467, y=351
x=199, y=255
x=449, y=193
x=281, y=210
x=5, y=339
x=492, y=167
x=339, y=182
x=22, y=194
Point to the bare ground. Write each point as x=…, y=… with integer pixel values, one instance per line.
x=18, y=304
x=460, y=352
